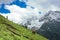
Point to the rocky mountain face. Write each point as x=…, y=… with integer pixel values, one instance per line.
x=51, y=25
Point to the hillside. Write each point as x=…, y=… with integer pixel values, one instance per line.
x=13, y=31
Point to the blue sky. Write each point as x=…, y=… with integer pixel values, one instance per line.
x=17, y=2
x=3, y=10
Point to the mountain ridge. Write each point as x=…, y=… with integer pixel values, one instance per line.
x=51, y=26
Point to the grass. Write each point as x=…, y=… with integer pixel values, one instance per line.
x=13, y=31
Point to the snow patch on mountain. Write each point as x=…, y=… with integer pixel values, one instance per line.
x=50, y=16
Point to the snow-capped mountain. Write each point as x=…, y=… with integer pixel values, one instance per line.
x=50, y=16
x=32, y=22
x=51, y=26
x=37, y=22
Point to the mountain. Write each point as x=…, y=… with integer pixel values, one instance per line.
x=51, y=25
x=12, y=31
x=51, y=15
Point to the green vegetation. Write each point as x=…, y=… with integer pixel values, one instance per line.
x=13, y=31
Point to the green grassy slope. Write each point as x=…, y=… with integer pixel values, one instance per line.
x=12, y=31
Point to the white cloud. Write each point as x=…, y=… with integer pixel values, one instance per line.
x=55, y=2
x=43, y=5
x=37, y=4
x=54, y=8
x=6, y=1
x=18, y=13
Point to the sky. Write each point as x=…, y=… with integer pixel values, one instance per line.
x=20, y=10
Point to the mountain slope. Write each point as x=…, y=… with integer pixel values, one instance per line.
x=51, y=27
x=51, y=15
x=12, y=31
